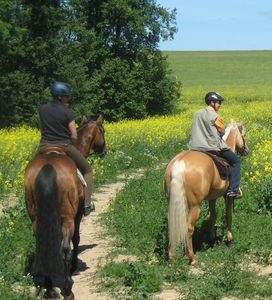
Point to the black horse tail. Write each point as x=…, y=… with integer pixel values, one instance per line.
x=48, y=266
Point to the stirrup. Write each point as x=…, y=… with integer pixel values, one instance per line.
x=235, y=195
x=88, y=209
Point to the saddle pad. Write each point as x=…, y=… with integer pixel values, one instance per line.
x=81, y=178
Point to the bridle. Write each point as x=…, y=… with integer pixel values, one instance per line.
x=244, y=149
x=102, y=132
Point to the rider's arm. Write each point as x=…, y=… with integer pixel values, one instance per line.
x=219, y=124
x=73, y=131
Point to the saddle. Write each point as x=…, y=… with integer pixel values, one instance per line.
x=51, y=149
x=222, y=164
x=60, y=151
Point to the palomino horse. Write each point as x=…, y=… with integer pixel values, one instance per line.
x=191, y=177
x=54, y=197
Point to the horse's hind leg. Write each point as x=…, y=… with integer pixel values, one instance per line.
x=229, y=211
x=75, y=241
x=193, y=215
x=213, y=236
x=50, y=293
x=68, y=283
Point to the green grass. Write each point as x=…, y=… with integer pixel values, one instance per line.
x=232, y=73
x=221, y=67
x=138, y=221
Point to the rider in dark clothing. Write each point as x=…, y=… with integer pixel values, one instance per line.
x=58, y=128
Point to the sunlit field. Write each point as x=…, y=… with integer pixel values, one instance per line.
x=133, y=144
x=244, y=79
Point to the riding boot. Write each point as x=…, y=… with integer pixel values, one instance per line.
x=88, y=203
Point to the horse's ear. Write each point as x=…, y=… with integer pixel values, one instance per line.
x=84, y=119
x=100, y=119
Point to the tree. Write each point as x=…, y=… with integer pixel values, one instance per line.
x=129, y=75
x=29, y=60
x=107, y=51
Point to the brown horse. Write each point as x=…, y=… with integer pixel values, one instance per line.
x=191, y=177
x=54, y=197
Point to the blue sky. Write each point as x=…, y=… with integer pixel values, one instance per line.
x=220, y=25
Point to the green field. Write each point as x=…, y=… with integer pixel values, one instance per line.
x=235, y=74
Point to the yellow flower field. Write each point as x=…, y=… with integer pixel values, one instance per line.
x=151, y=137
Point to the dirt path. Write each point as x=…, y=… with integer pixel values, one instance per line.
x=94, y=247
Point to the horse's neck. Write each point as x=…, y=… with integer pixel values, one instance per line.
x=85, y=139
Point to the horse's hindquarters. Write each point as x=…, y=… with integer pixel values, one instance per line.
x=51, y=195
x=190, y=178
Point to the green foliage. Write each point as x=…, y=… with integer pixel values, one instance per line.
x=263, y=192
x=138, y=277
x=106, y=50
x=132, y=214
x=16, y=241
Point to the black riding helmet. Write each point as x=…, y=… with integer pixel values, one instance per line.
x=213, y=97
x=59, y=88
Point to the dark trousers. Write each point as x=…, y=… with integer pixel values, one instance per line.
x=235, y=163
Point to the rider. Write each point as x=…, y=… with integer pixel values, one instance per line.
x=206, y=135
x=58, y=128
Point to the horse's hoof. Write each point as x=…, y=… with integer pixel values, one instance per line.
x=70, y=297
x=192, y=261
x=230, y=243
x=214, y=241
x=75, y=272
x=52, y=294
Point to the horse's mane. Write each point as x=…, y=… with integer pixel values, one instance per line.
x=84, y=125
x=230, y=126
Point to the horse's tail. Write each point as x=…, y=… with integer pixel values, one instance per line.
x=48, y=264
x=177, y=208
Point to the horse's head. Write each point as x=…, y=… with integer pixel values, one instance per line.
x=235, y=138
x=242, y=146
x=92, y=136
x=99, y=145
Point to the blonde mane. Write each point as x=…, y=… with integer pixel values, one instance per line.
x=230, y=126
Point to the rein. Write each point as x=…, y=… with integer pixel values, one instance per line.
x=244, y=147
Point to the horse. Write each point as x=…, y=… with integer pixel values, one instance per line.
x=191, y=177
x=54, y=198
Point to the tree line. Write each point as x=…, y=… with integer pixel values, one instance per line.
x=106, y=50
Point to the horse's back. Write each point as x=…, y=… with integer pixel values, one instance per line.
x=66, y=181
x=61, y=164
x=200, y=174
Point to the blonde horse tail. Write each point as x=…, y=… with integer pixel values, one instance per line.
x=177, y=209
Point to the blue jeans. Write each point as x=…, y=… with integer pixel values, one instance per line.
x=235, y=163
